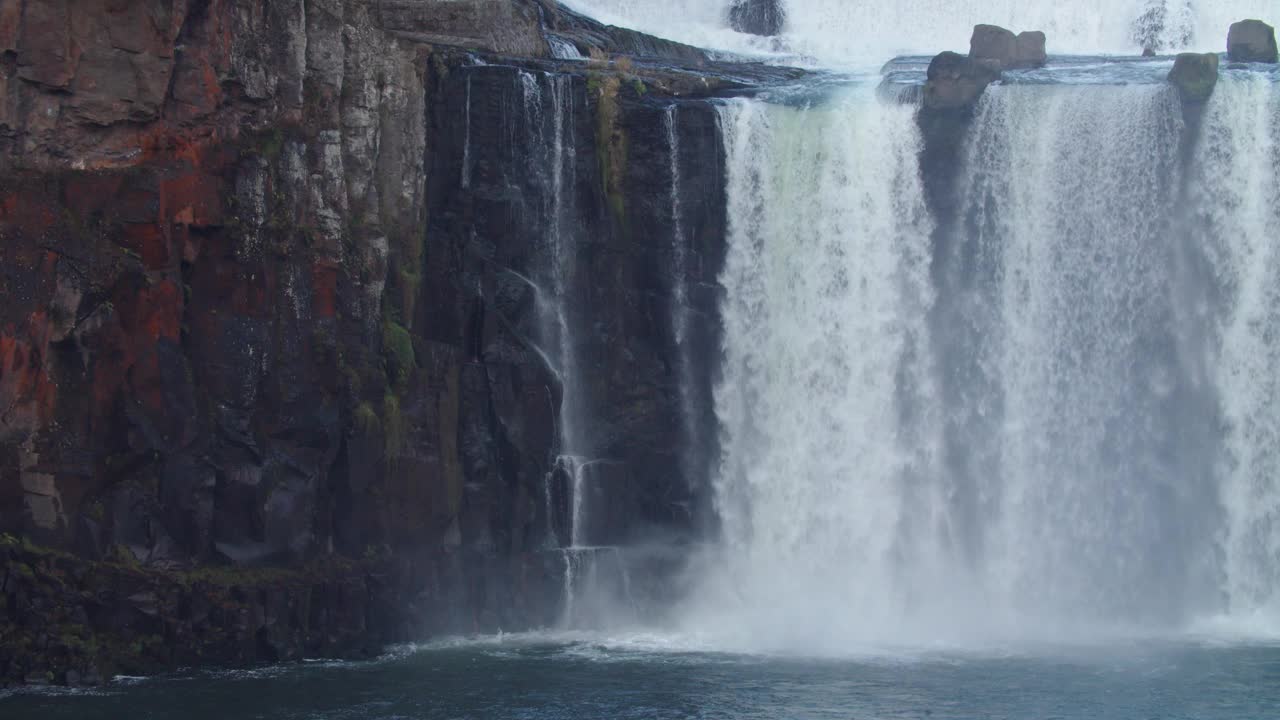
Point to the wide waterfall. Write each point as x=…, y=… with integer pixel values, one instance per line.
x=838, y=32
x=1053, y=416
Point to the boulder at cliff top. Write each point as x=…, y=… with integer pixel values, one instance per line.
x=956, y=81
x=994, y=43
x=1031, y=49
x=1195, y=75
x=1252, y=41
x=757, y=17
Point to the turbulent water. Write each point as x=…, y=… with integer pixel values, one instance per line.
x=841, y=32
x=1056, y=415
x=559, y=678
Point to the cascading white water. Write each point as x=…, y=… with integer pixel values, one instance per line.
x=841, y=32
x=825, y=399
x=551, y=137
x=1057, y=418
x=680, y=320
x=1073, y=410
x=562, y=49
x=547, y=111
x=678, y=250
x=1237, y=194
x=596, y=578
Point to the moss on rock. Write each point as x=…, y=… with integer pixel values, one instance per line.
x=611, y=140
x=397, y=351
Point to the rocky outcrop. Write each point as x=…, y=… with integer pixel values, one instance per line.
x=272, y=273
x=1252, y=41
x=72, y=621
x=953, y=89
x=1006, y=51
x=757, y=17
x=955, y=81
x=1195, y=76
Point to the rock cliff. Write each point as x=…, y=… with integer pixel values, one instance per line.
x=275, y=376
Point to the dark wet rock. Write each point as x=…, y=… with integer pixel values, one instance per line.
x=78, y=622
x=757, y=17
x=1195, y=75
x=991, y=42
x=957, y=81
x=1005, y=50
x=1030, y=51
x=1252, y=41
x=269, y=368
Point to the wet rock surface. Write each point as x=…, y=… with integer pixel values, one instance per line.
x=264, y=314
x=1195, y=76
x=73, y=621
x=1252, y=41
x=1006, y=51
x=956, y=81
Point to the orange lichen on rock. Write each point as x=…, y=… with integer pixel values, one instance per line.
x=324, y=290
x=27, y=394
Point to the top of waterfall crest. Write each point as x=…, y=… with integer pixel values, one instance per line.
x=837, y=33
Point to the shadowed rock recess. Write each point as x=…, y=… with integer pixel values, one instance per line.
x=271, y=382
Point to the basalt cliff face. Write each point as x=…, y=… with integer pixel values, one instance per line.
x=281, y=283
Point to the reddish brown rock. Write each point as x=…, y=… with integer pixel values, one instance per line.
x=247, y=325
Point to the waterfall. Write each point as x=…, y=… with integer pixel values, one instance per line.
x=678, y=250
x=546, y=113
x=1165, y=24
x=1051, y=413
x=1238, y=199
x=596, y=587
x=826, y=398
x=841, y=32
x=1076, y=427
x=562, y=49
x=680, y=321
x=1055, y=416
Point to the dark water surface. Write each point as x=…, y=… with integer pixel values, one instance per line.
x=546, y=678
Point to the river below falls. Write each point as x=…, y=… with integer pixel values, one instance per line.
x=550, y=677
